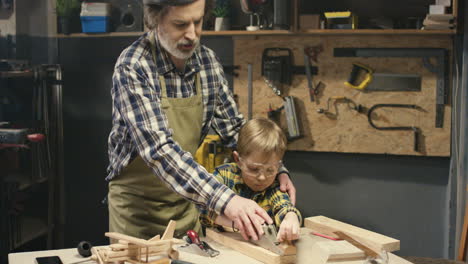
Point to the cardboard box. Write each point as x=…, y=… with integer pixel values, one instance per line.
x=444, y=2
x=437, y=9
x=309, y=22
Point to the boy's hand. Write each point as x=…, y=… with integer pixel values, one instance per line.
x=289, y=229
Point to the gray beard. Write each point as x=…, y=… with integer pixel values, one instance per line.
x=171, y=47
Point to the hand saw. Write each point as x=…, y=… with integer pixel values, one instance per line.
x=268, y=240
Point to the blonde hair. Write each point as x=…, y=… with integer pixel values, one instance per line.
x=261, y=134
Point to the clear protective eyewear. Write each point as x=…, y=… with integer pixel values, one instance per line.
x=257, y=169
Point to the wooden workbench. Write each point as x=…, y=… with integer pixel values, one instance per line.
x=227, y=256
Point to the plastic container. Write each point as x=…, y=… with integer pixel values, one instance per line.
x=95, y=17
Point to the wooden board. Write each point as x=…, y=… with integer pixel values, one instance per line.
x=375, y=241
x=350, y=132
x=327, y=251
x=236, y=242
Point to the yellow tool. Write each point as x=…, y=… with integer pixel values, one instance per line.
x=212, y=153
x=356, y=75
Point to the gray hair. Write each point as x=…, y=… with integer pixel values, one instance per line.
x=154, y=13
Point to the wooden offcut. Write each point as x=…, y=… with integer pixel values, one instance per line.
x=350, y=131
x=236, y=242
x=375, y=241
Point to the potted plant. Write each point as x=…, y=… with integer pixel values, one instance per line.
x=221, y=13
x=66, y=11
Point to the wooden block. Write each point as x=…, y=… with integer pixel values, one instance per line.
x=324, y=252
x=375, y=241
x=131, y=252
x=134, y=240
x=117, y=247
x=235, y=241
x=169, y=232
x=155, y=238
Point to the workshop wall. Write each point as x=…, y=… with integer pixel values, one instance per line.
x=410, y=191
x=340, y=128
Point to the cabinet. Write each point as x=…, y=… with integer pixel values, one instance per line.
x=31, y=162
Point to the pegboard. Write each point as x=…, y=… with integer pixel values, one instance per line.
x=350, y=131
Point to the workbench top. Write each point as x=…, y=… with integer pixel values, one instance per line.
x=227, y=256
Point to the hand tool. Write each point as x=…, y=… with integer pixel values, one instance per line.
x=416, y=130
x=250, y=90
x=350, y=103
x=291, y=118
x=356, y=75
x=389, y=82
x=196, y=246
x=268, y=240
x=373, y=257
x=440, y=69
x=309, y=77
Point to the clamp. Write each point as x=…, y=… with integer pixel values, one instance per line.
x=416, y=130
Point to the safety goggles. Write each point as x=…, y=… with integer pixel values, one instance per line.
x=257, y=169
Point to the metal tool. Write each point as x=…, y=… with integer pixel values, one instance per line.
x=440, y=69
x=359, y=72
x=350, y=103
x=250, y=90
x=268, y=240
x=312, y=90
x=389, y=82
x=416, y=130
x=196, y=246
x=294, y=130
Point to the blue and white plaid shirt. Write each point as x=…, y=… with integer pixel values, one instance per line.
x=140, y=127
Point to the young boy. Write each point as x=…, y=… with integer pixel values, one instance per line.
x=260, y=148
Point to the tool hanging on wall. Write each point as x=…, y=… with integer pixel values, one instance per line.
x=310, y=57
x=294, y=129
x=360, y=76
x=336, y=99
x=278, y=68
x=440, y=68
x=416, y=130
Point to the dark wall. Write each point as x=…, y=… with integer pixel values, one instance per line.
x=398, y=196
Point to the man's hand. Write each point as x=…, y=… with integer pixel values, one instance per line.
x=248, y=217
x=289, y=228
x=286, y=185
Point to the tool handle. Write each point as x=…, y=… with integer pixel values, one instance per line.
x=36, y=137
x=416, y=139
x=193, y=235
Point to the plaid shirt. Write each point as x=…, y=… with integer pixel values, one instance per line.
x=140, y=126
x=275, y=202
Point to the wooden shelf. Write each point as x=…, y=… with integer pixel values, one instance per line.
x=282, y=32
x=16, y=74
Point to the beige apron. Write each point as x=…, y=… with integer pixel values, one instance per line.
x=140, y=204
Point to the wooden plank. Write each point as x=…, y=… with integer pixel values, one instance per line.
x=235, y=241
x=375, y=241
x=323, y=252
x=154, y=250
x=155, y=238
x=134, y=240
x=118, y=247
x=169, y=232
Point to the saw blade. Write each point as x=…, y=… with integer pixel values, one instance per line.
x=268, y=240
